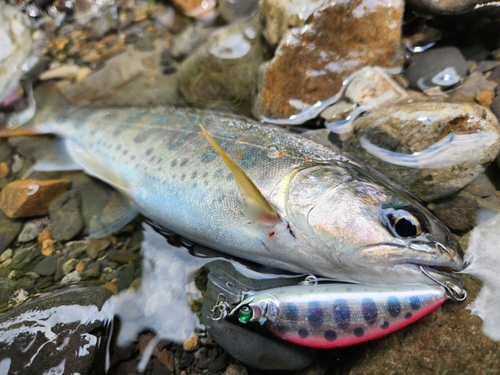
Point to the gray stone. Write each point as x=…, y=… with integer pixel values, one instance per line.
x=473, y=85
x=448, y=6
x=47, y=267
x=385, y=138
x=187, y=41
x=64, y=328
x=7, y=286
x=223, y=72
x=126, y=276
x=65, y=218
x=32, y=229
x=232, y=10
x=443, y=67
x=9, y=228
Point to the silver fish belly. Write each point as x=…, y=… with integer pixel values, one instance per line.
x=337, y=218
x=336, y=315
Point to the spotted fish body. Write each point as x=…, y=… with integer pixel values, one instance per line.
x=337, y=315
x=334, y=215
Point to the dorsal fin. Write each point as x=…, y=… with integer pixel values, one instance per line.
x=258, y=208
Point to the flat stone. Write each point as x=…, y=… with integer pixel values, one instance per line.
x=373, y=88
x=71, y=278
x=7, y=286
x=443, y=67
x=400, y=130
x=75, y=316
x=311, y=63
x=28, y=198
x=126, y=276
x=65, y=218
x=47, y=267
x=9, y=228
x=237, y=51
x=32, y=229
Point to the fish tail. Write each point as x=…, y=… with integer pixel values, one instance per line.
x=48, y=101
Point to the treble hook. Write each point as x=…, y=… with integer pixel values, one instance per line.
x=221, y=306
x=454, y=292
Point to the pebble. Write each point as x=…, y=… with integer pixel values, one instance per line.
x=28, y=198
x=191, y=344
x=311, y=63
x=71, y=278
x=373, y=88
x=195, y=8
x=32, y=229
x=44, y=235
x=485, y=98
x=66, y=221
x=4, y=169
x=7, y=254
x=413, y=128
x=472, y=85
x=47, y=267
x=126, y=276
x=186, y=42
x=232, y=10
x=48, y=247
x=7, y=286
x=66, y=71
x=69, y=265
x=167, y=358
x=338, y=111
x=95, y=245
x=82, y=73
x=457, y=212
x=443, y=67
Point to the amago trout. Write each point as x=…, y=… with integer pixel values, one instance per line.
x=285, y=201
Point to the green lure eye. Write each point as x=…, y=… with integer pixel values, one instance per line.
x=245, y=314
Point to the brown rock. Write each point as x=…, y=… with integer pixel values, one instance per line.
x=485, y=98
x=44, y=235
x=191, y=344
x=28, y=198
x=167, y=358
x=4, y=169
x=48, y=247
x=310, y=64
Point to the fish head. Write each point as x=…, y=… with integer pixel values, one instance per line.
x=378, y=232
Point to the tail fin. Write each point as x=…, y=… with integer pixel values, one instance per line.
x=48, y=101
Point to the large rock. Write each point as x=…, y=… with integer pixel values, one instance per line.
x=312, y=62
x=65, y=218
x=62, y=332
x=223, y=72
x=28, y=198
x=432, y=149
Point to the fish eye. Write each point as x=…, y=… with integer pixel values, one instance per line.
x=402, y=223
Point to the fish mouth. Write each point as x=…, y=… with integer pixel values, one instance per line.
x=430, y=254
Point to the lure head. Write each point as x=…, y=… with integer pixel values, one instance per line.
x=372, y=231
x=261, y=308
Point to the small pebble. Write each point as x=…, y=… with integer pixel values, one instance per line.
x=191, y=344
x=19, y=296
x=44, y=235
x=7, y=254
x=4, y=169
x=71, y=278
x=69, y=265
x=48, y=247
x=82, y=73
x=485, y=98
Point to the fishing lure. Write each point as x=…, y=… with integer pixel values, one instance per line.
x=334, y=315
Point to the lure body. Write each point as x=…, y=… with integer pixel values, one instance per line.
x=337, y=315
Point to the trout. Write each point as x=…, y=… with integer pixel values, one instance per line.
x=254, y=191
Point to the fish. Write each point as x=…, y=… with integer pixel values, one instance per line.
x=253, y=191
x=15, y=45
x=336, y=315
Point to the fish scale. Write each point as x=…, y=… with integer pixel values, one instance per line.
x=337, y=315
x=333, y=213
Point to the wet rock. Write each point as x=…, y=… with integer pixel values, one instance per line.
x=47, y=267
x=495, y=106
x=234, y=369
x=195, y=8
x=191, y=344
x=61, y=332
x=71, y=278
x=126, y=276
x=15, y=39
x=23, y=257
x=28, y=198
x=457, y=212
x=338, y=111
x=474, y=84
x=373, y=88
x=187, y=41
x=32, y=229
x=444, y=135
x=131, y=78
x=7, y=286
x=447, y=6
x=443, y=67
x=280, y=16
x=223, y=72
x=311, y=63
x=65, y=218
x=9, y=228
x=232, y=10
x=481, y=186
x=430, y=345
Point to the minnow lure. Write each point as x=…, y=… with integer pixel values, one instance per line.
x=336, y=315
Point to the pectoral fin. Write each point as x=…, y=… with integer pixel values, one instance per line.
x=258, y=208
